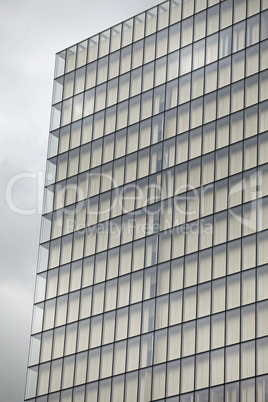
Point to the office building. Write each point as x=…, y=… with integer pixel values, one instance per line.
x=152, y=279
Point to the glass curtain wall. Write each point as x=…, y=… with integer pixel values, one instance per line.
x=152, y=273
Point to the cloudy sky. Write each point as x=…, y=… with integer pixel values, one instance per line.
x=31, y=32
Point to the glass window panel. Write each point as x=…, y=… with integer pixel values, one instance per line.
x=263, y=86
x=217, y=394
x=211, y=77
x=211, y=48
x=137, y=55
x=86, y=129
x=127, y=32
x=186, y=60
x=204, y=300
x=79, y=80
x=173, y=65
x=160, y=346
x=92, y=392
x=163, y=15
x=261, y=388
x=125, y=62
x=104, y=43
x=264, y=31
x=102, y=70
x=68, y=85
x=187, y=374
x=55, y=116
x=161, y=43
x=186, y=31
x=159, y=100
x=247, y=323
x=262, y=244
x=174, y=37
x=149, y=48
x=251, y=88
x=262, y=328
x=252, y=60
x=217, y=367
x=143, y=163
x=183, y=118
x=151, y=17
x=247, y=359
x=239, y=10
x=238, y=96
x=111, y=92
x=196, y=113
x=198, y=83
x=174, y=342
x=224, y=72
x=263, y=120
x=93, y=48
x=184, y=88
x=106, y=361
x=236, y=127
x=261, y=356
x=60, y=63
x=55, y=379
x=239, y=36
x=70, y=339
x=262, y=281
x=114, y=64
x=204, y=268
x=173, y=376
x=161, y=315
x=68, y=372
x=203, y=335
x=188, y=339
x=188, y=8
x=91, y=75
x=70, y=59
x=218, y=295
x=134, y=110
x=115, y=38
x=104, y=390
x=43, y=378
x=123, y=87
x=136, y=77
x=159, y=377
x=217, y=330
x=226, y=14
x=146, y=350
x=232, y=326
x=148, y=76
x=238, y=62
x=139, y=21
x=223, y=102
x=189, y=311
x=253, y=28
x=175, y=11
x=122, y=115
x=233, y=291
x=160, y=71
x=202, y=371
x=213, y=19
x=232, y=363
x=200, y=25
x=73, y=306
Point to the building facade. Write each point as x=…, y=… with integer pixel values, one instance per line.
x=152, y=279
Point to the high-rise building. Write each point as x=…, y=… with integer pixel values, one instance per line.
x=152, y=280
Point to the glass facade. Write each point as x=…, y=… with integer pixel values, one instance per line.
x=152, y=279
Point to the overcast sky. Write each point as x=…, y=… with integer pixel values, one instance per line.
x=31, y=32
